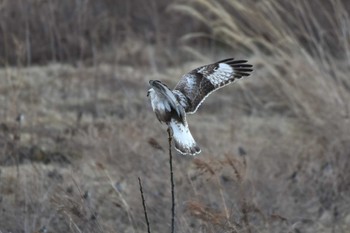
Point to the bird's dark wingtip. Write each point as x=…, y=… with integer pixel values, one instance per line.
x=236, y=63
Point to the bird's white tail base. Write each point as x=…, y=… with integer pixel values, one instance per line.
x=184, y=142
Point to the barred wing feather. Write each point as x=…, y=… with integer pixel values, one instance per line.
x=201, y=82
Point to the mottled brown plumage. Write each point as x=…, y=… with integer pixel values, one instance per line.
x=199, y=83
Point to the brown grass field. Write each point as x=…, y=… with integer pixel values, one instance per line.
x=77, y=130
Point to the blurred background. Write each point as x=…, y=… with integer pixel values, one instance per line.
x=77, y=130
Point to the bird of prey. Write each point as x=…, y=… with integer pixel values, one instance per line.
x=171, y=106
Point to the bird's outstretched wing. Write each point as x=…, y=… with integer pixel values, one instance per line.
x=200, y=82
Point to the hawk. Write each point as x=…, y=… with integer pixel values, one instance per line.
x=171, y=106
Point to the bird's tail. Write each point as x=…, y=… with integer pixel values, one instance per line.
x=184, y=142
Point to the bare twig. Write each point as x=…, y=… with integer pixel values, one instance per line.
x=144, y=207
x=172, y=184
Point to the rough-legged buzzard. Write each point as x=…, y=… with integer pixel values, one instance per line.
x=171, y=106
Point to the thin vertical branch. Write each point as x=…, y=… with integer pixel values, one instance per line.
x=172, y=184
x=144, y=207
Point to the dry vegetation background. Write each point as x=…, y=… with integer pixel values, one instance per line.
x=275, y=146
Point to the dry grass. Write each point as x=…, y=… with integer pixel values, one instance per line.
x=274, y=146
x=40, y=32
x=301, y=52
x=294, y=44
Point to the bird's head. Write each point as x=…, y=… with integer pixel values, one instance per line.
x=157, y=86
